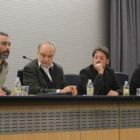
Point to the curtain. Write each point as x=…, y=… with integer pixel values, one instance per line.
x=125, y=35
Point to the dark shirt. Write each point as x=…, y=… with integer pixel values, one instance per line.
x=135, y=81
x=102, y=83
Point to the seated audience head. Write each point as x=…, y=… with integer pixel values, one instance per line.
x=4, y=46
x=100, y=56
x=45, y=54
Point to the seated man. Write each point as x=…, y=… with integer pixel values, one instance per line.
x=4, y=53
x=42, y=75
x=135, y=81
x=103, y=77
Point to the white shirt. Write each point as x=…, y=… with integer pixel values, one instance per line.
x=46, y=70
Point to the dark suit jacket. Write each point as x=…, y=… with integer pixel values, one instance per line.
x=102, y=83
x=135, y=81
x=33, y=78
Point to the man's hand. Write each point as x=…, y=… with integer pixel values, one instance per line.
x=99, y=68
x=12, y=93
x=113, y=93
x=69, y=89
x=2, y=93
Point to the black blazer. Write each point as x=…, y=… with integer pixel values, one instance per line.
x=35, y=79
x=135, y=81
x=102, y=83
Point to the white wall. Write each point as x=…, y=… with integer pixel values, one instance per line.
x=76, y=27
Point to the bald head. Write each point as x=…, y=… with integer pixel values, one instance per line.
x=47, y=44
x=46, y=51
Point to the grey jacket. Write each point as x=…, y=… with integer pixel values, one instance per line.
x=3, y=73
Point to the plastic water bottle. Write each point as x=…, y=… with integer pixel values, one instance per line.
x=90, y=88
x=126, y=89
x=17, y=88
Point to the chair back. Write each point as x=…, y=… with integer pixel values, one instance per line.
x=72, y=79
x=121, y=77
x=20, y=75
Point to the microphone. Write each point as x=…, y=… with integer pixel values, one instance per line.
x=28, y=59
x=24, y=57
x=37, y=69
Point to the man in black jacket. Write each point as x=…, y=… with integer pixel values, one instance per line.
x=135, y=81
x=103, y=77
x=42, y=75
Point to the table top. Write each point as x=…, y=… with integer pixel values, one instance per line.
x=65, y=98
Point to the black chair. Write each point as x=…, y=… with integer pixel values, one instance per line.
x=20, y=75
x=121, y=77
x=72, y=79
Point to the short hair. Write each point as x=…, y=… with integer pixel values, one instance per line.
x=4, y=34
x=101, y=49
x=46, y=42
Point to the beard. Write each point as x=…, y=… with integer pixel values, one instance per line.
x=3, y=55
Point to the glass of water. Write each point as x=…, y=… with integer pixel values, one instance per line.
x=138, y=91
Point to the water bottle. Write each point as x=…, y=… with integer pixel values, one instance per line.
x=17, y=88
x=90, y=88
x=126, y=89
